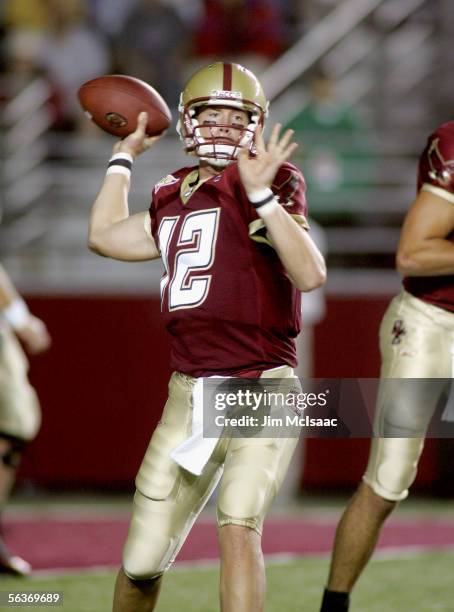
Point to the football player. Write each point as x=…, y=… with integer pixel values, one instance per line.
x=416, y=341
x=232, y=233
x=19, y=408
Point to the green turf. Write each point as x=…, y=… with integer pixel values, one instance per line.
x=418, y=584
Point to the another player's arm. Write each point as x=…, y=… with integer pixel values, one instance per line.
x=298, y=253
x=424, y=249
x=31, y=330
x=113, y=232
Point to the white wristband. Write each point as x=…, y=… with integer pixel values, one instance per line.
x=118, y=170
x=266, y=209
x=120, y=163
x=16, y=314
x=259, y=195
x=264, y=201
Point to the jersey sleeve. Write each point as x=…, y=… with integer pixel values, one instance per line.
x=163, y=188
x=436, y=164
x=289, y=188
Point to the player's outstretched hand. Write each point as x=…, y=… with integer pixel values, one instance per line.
x=137, y=142
x=34, y=335
x=258, y=172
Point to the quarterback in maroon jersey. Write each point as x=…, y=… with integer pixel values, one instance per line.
x=416, y=341
x=232, y=235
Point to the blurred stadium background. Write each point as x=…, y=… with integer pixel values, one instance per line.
x=363, y=83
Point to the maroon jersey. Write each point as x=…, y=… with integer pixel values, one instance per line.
x=227, y=301
x=436, y=175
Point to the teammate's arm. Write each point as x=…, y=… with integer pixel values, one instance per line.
x=113, y=232
x=424, y=249
x=298, y=253
x=29, y=329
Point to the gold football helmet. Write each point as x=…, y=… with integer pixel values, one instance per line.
x=221, y=84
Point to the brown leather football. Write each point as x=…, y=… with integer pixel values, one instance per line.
x=114, y=102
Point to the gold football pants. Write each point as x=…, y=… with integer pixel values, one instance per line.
x=168, y=498
x=416, y=341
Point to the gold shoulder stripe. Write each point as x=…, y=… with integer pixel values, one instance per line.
x=442, y=193
x=169, y=179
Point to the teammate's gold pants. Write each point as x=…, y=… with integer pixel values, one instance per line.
x=416, y=341
x=20, y=414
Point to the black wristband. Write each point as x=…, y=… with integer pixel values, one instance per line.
x=266, y=200
x=120, y=162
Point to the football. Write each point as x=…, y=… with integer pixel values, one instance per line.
x=114, y=101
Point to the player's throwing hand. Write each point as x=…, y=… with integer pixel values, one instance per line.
x=137, y=142
x=258, y=172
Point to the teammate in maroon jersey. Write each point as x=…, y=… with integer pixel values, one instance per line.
x=416, y=341
x=231, y=232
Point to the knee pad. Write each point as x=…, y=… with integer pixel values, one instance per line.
x=137, y=576
x=11, y=457
x=392, y=466
x=248, y=486
x=151, y=544
x=160, y=526
x=253, y=474
x=243, y=498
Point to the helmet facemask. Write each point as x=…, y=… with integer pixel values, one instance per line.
x=217, y=150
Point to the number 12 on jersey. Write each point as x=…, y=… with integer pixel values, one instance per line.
x=193, y=251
